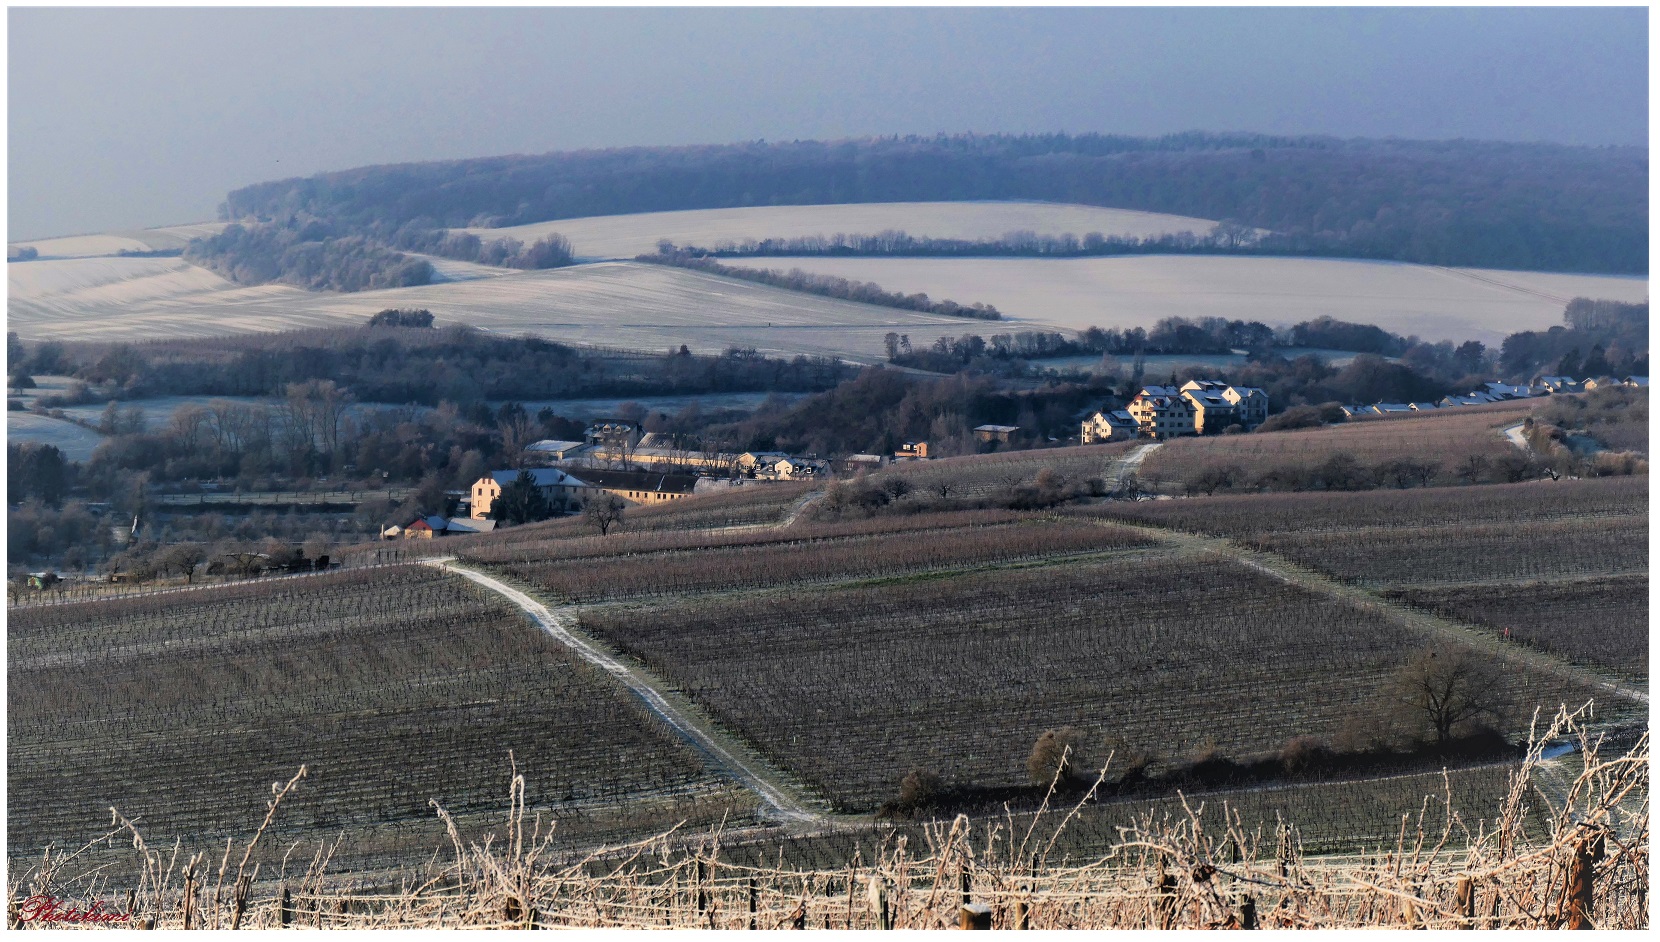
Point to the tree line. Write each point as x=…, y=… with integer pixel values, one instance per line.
x=408, y=364
x=318, y=255
x=829, y=286
x=1505, y=205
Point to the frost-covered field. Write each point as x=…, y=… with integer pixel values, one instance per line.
x=1434, y=303
x=628, y=236
x=110, y=243
x=75, y=442
x=617, y=304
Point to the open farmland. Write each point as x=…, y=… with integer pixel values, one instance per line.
x=959, y=675
x=627, y=305
x=393, y=686
x=161, y=239
x=1445, y=437
x=1134, y=291
x=637, y=234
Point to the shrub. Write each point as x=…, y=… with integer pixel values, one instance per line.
x=1055, y=757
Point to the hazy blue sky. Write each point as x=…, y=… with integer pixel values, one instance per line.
x=134, y=117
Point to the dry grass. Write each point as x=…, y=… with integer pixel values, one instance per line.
x=1443, y=437
x=1586, y=866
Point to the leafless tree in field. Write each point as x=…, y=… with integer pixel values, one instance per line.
x=1446, y=689
x=603, y=513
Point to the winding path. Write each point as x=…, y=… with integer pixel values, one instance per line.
x=1132, y=462
x=729, y=757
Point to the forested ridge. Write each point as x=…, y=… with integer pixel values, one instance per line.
x=1509, y=205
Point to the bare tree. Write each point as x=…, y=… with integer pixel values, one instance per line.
x=1472, y=468
x=944, y=484
x=1445, y=690
x=603, y=512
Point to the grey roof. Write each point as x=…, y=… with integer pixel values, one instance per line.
x=544, y=477
x=1151, y=391
x=469, y=525
x=549, y=444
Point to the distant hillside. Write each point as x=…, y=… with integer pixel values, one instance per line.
x=1502, y=205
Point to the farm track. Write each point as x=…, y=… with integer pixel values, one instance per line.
x=1131, y=463
x=728, y=754
x=1415, y=619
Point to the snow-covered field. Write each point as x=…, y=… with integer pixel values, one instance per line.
x=110, y=243
x=1434, y=303
x=617, y=304
x=75, y=442
x=628, y=236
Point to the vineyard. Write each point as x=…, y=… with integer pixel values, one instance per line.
x=1600, y=621
x=394, y=686
x=1566, y=846
x=850, y=688
x=813, y=558
x=1250, y=515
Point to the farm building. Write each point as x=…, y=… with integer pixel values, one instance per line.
x=1640, y=382
x=638, y=487
x=1109, y=426
x=854, y=464
x=995, y=433
x=556, y=450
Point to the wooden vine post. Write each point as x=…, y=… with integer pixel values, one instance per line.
x=1582, y=877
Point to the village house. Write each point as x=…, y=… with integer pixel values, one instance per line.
x=1390, y=408
x=1507, y=391
x=1473, y=399
x=1249, y=404
x=1601, y=382
x=1640, y=382
x=1421, y=406
x=619, y=434
x=558, y=488
x=1211, y=411
x=1109, y=426
x=911, y=451
x=796, y=469
x=751, y=460
x=1161, y=412
x=1559, y=384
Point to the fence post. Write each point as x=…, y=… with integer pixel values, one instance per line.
x=1167, y=897
x=752, y=902
x=1582, y=877
x=285, y=908
x=1466, y=901
x=975, y=916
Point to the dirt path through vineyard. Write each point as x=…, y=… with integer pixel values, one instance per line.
x=725, y=752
